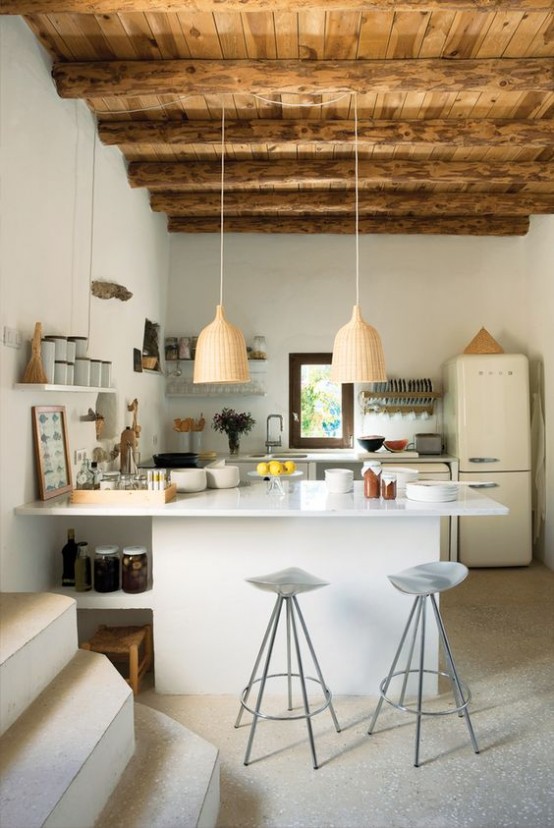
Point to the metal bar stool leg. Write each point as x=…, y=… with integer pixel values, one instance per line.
x=461, y=701
x=316, y=663
x=420, y=683
x=263, y=681
x=304, y=690
x=289, y=661
x=386, y=683
x=258, y=659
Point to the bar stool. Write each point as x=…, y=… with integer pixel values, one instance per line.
x=287, y=584
x=424, y=582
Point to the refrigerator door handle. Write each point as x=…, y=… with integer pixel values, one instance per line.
x=484, y=459
x=483, y=485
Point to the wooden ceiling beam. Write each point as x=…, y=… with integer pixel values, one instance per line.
x=473, y=132
x=205, y=176
x=333, y=203
x=21, y=7
x=307, y=77
x=445, y=225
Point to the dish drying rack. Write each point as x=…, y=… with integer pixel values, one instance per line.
x=400, y=396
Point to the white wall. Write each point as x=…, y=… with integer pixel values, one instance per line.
x=47, y=149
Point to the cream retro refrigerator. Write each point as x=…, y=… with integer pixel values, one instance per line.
x=487, y=426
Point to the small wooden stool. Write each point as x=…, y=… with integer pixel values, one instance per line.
x=120, y=643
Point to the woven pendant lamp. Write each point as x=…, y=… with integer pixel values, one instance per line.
x=357, y=350
x=221, y=349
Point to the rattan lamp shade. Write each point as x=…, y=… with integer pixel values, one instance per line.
x=221, y=352
x=358, y=352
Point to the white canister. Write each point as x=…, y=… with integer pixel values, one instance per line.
x=70, y=351
x=70, y=373
x=61, y=347
x=95, y=372
x=82, y=371
x=81, y=345
x=48, y=356
x=60, y=372
x=106, y=374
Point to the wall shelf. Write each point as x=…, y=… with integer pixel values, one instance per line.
x=109, y=600
x=79, y=389
x=180, y=384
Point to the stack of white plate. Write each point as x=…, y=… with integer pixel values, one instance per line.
x=431, y=491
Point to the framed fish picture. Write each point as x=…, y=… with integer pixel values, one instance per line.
x=51, y=450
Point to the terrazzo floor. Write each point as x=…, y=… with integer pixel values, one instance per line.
x=501, y=627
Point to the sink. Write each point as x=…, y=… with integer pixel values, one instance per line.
x=277, y=455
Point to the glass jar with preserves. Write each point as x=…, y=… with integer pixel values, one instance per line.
x=134, y=569
x=388, y=486
x=372, y=480
x=106, y=568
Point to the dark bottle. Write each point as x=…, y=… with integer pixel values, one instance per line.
x=69, y=553
x=83, y=571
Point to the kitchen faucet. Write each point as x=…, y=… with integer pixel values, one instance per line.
x=270, y=444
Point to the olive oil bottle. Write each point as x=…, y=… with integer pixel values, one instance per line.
x=69, y=554
x=83, y=570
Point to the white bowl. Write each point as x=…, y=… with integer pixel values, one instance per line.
x=339, y=481
x=189, y=480
x=224, y=477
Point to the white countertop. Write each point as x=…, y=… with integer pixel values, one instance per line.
x=304, y=498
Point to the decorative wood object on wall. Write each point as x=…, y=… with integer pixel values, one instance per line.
x=110, y=290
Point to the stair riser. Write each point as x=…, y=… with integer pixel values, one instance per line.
x=25, y=674
x=85, y=798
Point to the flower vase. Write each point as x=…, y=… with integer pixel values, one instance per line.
x=234, y=443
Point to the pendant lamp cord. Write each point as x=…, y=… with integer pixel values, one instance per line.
x=222, y=192
x=357, y=198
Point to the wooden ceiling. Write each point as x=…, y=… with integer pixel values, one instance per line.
x=454, y=100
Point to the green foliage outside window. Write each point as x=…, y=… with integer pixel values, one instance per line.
x=321, y=408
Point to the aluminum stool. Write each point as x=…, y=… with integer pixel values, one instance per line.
x=287, y=584
x=424, y=582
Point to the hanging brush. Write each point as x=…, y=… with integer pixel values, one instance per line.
x=34, y=371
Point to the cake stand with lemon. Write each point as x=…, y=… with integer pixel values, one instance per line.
x=275, y=471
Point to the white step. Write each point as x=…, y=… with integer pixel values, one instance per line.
x=63, y=757
x=38, y=637
x=172, y=780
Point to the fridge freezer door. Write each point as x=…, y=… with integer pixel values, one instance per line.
x=501, y=540
x=494, y=421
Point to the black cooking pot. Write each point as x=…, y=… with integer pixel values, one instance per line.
x=176, y=460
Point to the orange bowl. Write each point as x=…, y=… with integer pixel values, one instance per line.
x=395, y=445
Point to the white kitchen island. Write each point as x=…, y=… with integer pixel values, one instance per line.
x=208, y=621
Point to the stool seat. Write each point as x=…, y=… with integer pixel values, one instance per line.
x=426, y=579
x=287, y=582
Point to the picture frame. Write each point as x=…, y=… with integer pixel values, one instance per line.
x=51, y=450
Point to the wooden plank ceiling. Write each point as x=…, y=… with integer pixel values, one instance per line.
x=454, y=102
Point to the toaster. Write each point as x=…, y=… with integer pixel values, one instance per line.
x=428, y=443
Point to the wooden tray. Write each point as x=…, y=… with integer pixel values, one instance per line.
x=120, y=497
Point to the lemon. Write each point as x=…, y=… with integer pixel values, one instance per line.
x=262, y=468
x=275, y=467
x=290, y=466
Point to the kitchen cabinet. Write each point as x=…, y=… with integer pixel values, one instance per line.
x=179, y=374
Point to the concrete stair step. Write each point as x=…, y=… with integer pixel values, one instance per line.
x=172, y=780
x=38, y=637
x=63, y=757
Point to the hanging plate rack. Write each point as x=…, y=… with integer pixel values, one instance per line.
x=400, y=396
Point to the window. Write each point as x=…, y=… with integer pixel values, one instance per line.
x=321, y=412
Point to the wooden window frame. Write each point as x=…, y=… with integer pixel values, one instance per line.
x=347, y=405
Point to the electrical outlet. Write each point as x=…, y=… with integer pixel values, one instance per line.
x=80, y=455
x=12, y=337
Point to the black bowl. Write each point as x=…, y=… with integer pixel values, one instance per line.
x=176, y=460
x=372, y=443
